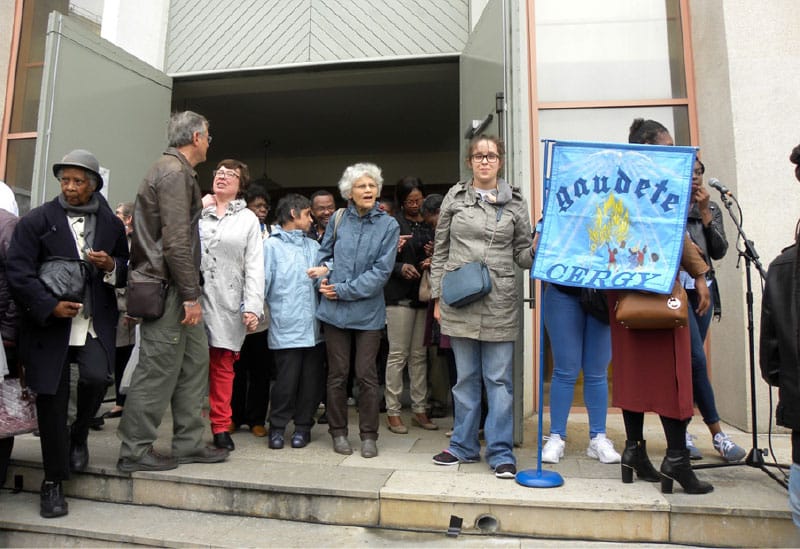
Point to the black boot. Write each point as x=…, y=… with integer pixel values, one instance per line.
x=634, y=458
x=676, y=466
x=52, y=502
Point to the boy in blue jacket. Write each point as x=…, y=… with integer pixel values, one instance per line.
x=294, y=331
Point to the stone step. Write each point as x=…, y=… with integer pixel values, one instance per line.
x=589, y=509
x=402, y=488
x=93, y=524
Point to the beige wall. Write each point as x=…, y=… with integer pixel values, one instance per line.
x=6, y=32
x=747, y=69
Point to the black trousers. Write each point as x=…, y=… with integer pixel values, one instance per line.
x=7, y=444
x=296, y=391
x=252, y=373
x=121, y=357
x=54, y=435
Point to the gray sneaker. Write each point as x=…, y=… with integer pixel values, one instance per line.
x=694, y=451
x=729, y=450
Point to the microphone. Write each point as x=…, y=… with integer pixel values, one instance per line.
x=723, y=190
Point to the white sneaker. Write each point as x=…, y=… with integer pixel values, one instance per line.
x=553, y=450
x=602, y=449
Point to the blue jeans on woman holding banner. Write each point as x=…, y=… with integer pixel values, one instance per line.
x=579, y=342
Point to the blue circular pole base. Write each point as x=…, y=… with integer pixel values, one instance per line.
x=536, y=478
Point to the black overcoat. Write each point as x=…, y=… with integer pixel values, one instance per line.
x=44, y=339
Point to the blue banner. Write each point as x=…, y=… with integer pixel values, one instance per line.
x=614, y=215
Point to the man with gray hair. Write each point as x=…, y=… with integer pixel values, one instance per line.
x=173, y=359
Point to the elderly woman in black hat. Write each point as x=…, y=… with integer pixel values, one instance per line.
x=79, y=327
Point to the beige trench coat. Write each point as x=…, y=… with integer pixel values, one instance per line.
x=463, y=234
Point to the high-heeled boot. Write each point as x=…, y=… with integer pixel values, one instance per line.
x=634, y=458
x=676, y=466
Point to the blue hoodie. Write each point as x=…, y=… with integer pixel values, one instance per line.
x=361, y=260
x=291, y=295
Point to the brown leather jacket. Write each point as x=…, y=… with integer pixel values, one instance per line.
x=166, y=238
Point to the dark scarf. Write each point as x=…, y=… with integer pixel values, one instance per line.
x=89, y=212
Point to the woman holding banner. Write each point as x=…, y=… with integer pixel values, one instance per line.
x=482, y=219
x=653, y=371
x=579, y=342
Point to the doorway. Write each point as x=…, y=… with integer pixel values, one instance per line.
x=298, y=129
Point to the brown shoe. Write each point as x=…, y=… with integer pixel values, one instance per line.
x=232, y=428
x=150, y=461
x=421, y=420
x=395, y=425
x=258, y=431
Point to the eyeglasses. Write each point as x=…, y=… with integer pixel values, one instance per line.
x=78, y=182
x=208, y=136
x=413, y=201
x=225, y=174
x=491, y=158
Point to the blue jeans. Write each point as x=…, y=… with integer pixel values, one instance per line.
x=578, y=342
x=701, y=385
x=493, y=362
x=794, y=493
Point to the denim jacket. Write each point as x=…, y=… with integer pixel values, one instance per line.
x=361, y=259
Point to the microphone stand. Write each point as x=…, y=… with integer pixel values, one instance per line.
x=755, y=458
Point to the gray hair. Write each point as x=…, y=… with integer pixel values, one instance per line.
x=357, y=171
x=126, y=207
x=182, y=126
x=90, y=176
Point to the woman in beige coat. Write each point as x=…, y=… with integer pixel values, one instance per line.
x=482, y=219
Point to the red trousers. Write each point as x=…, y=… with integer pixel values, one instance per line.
x=220, y=387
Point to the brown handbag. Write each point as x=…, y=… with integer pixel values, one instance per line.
x=649, y=311
x=145, y=296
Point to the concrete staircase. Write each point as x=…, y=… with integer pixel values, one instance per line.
x=401, y=489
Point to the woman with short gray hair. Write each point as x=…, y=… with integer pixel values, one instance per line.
x=355, y=260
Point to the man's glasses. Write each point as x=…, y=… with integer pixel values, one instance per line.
x=225, y=174
x=491, y=158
